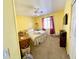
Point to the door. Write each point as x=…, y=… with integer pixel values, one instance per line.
x=10, y=42
x=73, y=33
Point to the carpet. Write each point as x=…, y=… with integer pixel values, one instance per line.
x=49, y=49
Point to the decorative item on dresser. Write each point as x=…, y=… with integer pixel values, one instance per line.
x=23, y=35
x=63, y=35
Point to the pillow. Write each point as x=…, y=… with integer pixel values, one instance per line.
x=30, y=30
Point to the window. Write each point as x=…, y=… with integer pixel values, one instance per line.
x=46, y=23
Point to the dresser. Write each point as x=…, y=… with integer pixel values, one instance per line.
x=63, y=37
x=24, y=42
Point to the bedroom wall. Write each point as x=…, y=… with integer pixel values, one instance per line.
x=67, y=27
x=58, y=20
x=24, y=22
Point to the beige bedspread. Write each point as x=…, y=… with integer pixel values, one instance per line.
x=37, y=36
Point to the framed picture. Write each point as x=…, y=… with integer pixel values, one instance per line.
x=65, y=19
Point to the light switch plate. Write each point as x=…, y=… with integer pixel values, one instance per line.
x=6, y=53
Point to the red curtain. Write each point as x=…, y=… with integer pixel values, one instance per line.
x=52, y=28
x=43, y=24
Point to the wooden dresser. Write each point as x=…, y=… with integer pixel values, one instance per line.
x=63, y=36
x=24, y=42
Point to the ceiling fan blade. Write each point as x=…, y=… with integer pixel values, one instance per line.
x=28, y=6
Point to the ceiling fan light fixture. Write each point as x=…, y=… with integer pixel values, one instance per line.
x=41, y=11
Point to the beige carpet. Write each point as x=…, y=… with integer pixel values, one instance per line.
x=49, y=49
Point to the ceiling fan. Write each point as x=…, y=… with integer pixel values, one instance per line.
x=36, y=10
x=31, y=7
x=28, y=6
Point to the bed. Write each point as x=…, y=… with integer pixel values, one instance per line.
x=37, y=36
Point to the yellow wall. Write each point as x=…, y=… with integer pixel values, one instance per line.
x=70, y=47
x=37, y=20
x=24, y=22
x=10, y=41
x=58, y=20
x=67, y=27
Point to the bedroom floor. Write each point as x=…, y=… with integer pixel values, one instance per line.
x=50, y=49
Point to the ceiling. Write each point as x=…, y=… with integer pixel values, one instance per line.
x=38, y=7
